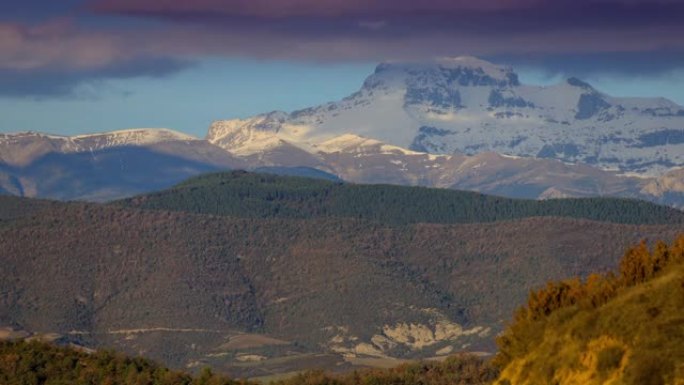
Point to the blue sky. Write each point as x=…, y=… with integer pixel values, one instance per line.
x=187, y=101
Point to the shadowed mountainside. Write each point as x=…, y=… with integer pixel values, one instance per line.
x=112, y=172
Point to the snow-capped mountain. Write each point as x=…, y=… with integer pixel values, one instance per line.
x=132, y=137
x=466, y=105
x=110, y=168
x=22, y=148
x=104, y=166
x=452, y=123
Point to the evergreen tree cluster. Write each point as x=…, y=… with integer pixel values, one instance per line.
x=245, y=194
x=37, y=363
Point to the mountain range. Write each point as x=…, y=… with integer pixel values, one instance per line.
x=469, y=106
x=459, y=123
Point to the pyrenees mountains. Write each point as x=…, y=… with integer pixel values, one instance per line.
x=469, y=106
x=453, y=123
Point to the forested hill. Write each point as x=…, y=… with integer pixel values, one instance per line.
x=34, y=362
x=245, y=194
x=623, y=328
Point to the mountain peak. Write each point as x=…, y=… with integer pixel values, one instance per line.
x=489, y=68
x=135, y=137
x=139, y=135
x=446, y=62
x=451, y=71
x=30, y=134
x=573, y=81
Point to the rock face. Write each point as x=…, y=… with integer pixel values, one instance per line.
x=470, y=106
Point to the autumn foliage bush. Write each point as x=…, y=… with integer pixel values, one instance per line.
x=638, y=265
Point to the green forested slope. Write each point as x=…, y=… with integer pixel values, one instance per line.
x=257, y=195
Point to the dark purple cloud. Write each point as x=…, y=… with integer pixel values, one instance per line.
x=52, y=59
x=396, y=29
x=47, y=83
x=483, y=15
x=343, y=8
x=101, y=37
x=32, y=10
x=305, y=8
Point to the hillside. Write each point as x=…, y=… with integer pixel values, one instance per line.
x=250, y=195
x=259, y=296
x=615, y=329
x=610, y=329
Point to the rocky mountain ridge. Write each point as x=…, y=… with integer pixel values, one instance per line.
x=454, y=123
x=466, y=105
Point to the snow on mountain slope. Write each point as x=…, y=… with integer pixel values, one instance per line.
x=131, y=137
x=21, y=149
x=77, y=173
x=365, y=160
x=105, y=166
x=350, y=143
x=471, y=106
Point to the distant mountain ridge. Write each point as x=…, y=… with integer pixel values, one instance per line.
x=458, y=123
x=21, y=148
x=105, y=166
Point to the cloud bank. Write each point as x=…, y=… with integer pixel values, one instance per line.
x=158, y=37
